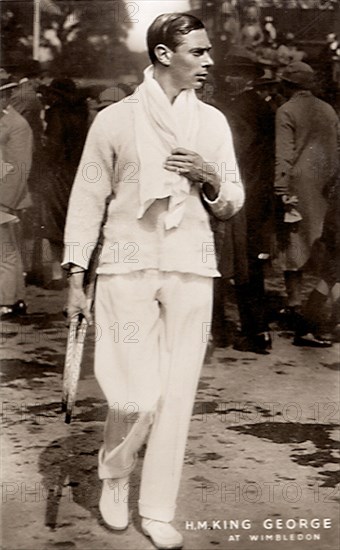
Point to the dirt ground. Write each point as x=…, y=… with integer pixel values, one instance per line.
x=261, y=467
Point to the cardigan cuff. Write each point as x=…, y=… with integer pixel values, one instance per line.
x=77, y=254
x=230, y=200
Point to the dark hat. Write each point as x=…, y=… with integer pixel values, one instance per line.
x=241, y=58
x=64, y=87
x=298, y=73
x=264, y=82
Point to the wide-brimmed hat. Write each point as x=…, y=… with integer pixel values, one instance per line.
x=8, y=86
x=263, y=82
x=298, y=73
x=109, y=96
x=241, y=58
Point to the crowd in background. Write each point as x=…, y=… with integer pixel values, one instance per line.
x=47, y=118
x=275, y=49
x=303, y=4
x=287, y=146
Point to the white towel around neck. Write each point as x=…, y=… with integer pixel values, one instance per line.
x=160, y=127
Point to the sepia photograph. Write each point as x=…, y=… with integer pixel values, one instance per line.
x=169, y=264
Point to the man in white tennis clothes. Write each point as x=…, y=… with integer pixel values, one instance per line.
x=167, y=159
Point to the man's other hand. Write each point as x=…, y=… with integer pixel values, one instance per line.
x=77, y=301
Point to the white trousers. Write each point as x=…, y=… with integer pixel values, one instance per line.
x=152, y=333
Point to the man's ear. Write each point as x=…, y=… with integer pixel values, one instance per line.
x=163, y=54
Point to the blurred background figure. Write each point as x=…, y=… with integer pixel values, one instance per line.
x=106, y=97
x=109, y=96
x=246, y=242
x=307, y=160
x=91, y=93
x=332, y=46
x=328, y=60
x=269, y=90
x=269, y=31
x=16, y=142
x=288, y=51
x=26, y=101
x=24, y=98
x=231, y=25
x=314, y=327
x=251, y=32
x=66, y=121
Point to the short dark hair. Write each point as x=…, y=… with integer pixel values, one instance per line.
x=169, y=29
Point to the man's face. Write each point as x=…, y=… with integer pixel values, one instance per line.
x=191, y=61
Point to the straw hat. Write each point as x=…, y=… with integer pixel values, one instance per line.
x=8, y=86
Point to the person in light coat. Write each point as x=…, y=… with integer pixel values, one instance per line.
x=307, y=160
x=16, y=144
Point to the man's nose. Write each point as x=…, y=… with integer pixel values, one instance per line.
x=207, y=60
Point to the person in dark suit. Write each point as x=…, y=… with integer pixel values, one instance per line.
x=65, y=134
x=246, y=243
